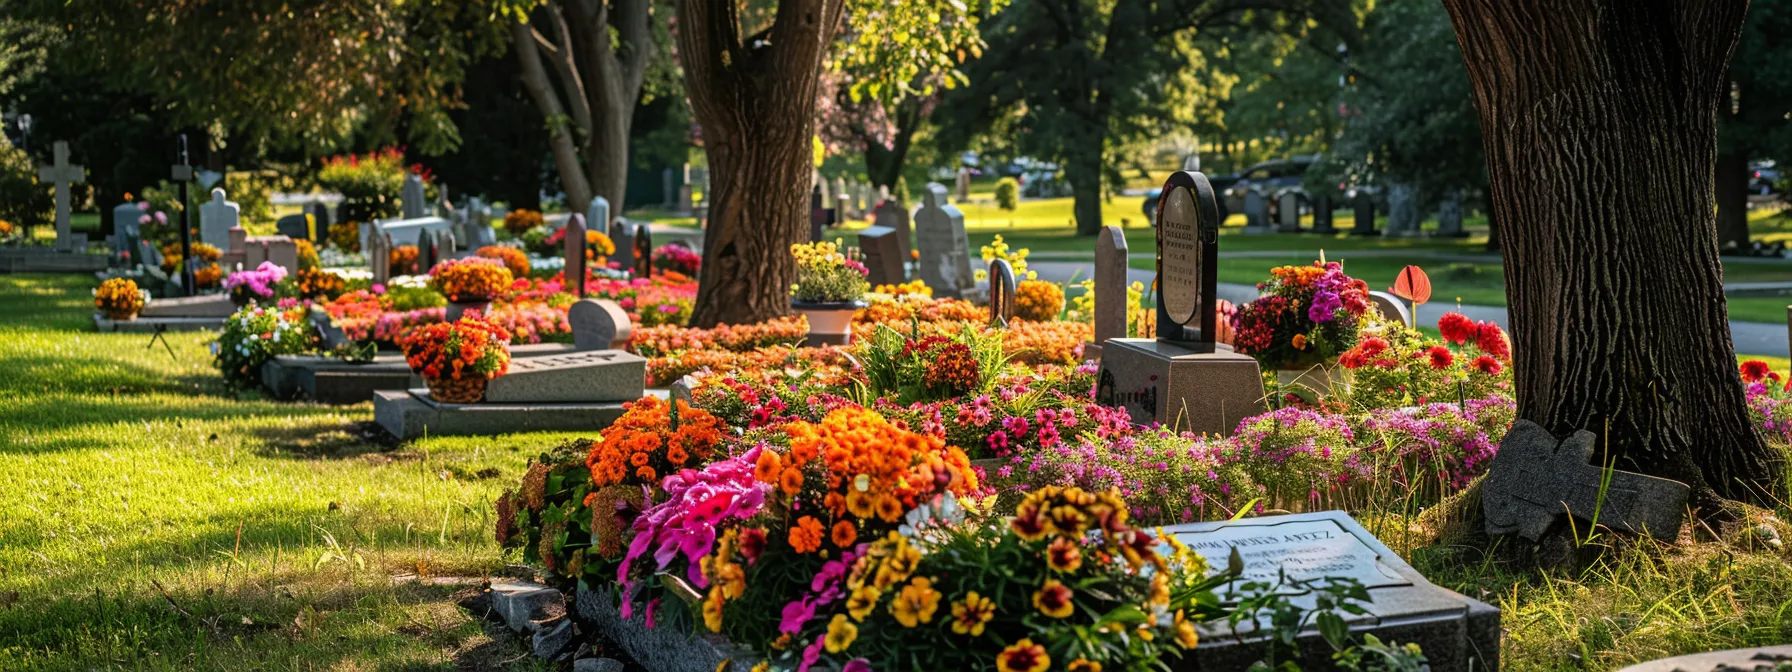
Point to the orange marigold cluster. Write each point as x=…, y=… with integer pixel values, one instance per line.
x=118, y=298
x=650, y=440
x=404, y=260
x=472, y=279
x=471, y=347
x=866, y=471
x=520, y=221
x=1038, y=300
x=514, y=259
x=827, y=364
x=1053, y=342
x=207, y=276
x=319, y=285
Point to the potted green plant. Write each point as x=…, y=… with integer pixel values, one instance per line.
x=830, y=286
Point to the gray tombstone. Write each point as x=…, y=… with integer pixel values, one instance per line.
x=883, y=255
x=296, y=227
x=379, y=257
x=842, y=201
x=216, y=218
x=643, y=244
x=1322, y=215
x=623, y=236
x=445, y=245
x=1449, y=217
x=597, y=217
x=412, y=202
x=1001, y=293
x=127, y=229
x=1390, y=307
x=964, y=185
x=892, y=215
x=573, y=246
x=1288, y=211
x=818, y=215
x=669, y=189
x=427, y=255
x=1533, y=480
x=1362, y=211
x=1111, y=304
x=598, y=324
x=1403, y=211
x=945, y=263
x=1256, y=212
x=478, y=224
x=574, y=377
x=62, y=173
x=686, y=204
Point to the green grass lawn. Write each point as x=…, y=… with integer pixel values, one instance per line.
x=137, y=482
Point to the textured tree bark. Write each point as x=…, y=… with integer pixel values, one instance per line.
x=1732, y=198
x=1083, y=170
x=755, y=100
x=1599, y=120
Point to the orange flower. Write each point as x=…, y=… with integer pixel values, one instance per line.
x=1083, y=665
x=767, y=467
x=1063, y=555
x=791, y=482
x=1054, y=600
x=805, y=536
x=1023, y=656
x=645, y=442
x=844, y=533
x=1299, y=341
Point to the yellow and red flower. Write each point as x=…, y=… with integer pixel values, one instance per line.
x=1054, y=599
x=970, y=614
x=1023, y=656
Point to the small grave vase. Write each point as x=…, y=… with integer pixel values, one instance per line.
x=458, y=308
x=1318, y=378
x=829, y=323
x=119, y=315
x=467, y=390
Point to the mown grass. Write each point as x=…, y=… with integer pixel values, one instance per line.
x=152, y=518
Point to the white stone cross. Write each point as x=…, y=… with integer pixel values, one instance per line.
x=62, y=173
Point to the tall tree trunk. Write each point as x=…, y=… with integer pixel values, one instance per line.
x=883, y=165
x=1084, y=172
x=755, y=100
x=1732, y=198
x=1599, y=121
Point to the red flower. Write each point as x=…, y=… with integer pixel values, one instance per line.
x=1365, y=351
x=1487, y=365
x=1456, y=328
x=1492, y=340
x=1440, y=356
x=1754, y=371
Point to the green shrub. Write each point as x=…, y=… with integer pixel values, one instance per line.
x=370, y=185
x=1007, y=194
x=23, y=202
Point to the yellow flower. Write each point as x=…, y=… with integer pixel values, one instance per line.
x=765, y=666
x=969, y=615
x=1185, y=632
x=841, y=633
x=1023, y=656
x=863, y=600
x=1083, y=665
x=712, y=610
x=1160, y=590
x=1054, y=600
x=916, y=603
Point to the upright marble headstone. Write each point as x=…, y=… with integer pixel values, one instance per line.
x=479, y=224
x=1256, y=212
x=597, y=216
x=843, y=206
x=427, y=255
x=127, y=229
x=598, y=324
x=623, y=236
x=1449, y=217
x=1322, y=214
x=1403, y=211
x=643, y=251
x=446, y=245
x=62, y=174
x=686, y=202
x=412, y=202
x=964, y=185
x=883, y=256
x=892, y=215
x=379, y=257
x=216, y=218
x=1288, y=211
x=818, y=215
x=296, y=226
x=574, y=248
x=1184, y=378
x=1362, y=211
x=945, y=263
x=669, y=188
x=1001, y=292
x=1111, y=303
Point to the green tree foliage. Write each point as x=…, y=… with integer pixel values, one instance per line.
x=1071, y=79
x=1007, y=194
x=1409, y=114
x=23, y=202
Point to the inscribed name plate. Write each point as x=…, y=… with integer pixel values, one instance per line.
x=1179, y=233
x=1305, y=549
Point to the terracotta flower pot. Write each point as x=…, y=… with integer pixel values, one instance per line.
x=829, y=323
x=467, y=390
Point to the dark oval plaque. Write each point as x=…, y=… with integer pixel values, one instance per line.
x=1179, y=253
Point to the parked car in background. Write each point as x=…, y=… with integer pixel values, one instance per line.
x=1043, y=184
x=1764, y=177
x=1267, y=178
x=1220, y=184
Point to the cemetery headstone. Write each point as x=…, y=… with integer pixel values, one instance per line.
x=320, y=218
x=1759, y=659
x=945, y=263
x=577, y=391
x=685, y=193
x=964, y=185
x=296, y=227
x=891, y=215
x=445, y=245
x=1403, y=211
x=379, y=256
x=1457, y=633
x=1111, y=303
x=623, y=236
x=883, y=255
x=62, y=174
x=479, y=224
x=127, y=229
x=1390, y=307
x=1288, y=211
x=597, y=217
x=216, y=218
x=1534, y=479
x=818, y=216
x=598, y=324
x=1322, y=214
x=668, y=189
x=412, y=203
x=573, y=246
x=1001, y=292
x=427, y=254
x=402, y=229
x=643, y=251
x=1449, y=217
x=1183, y=378
x=1362, y=210
x=842, y=199
x=583, y=376
x=1256, y=212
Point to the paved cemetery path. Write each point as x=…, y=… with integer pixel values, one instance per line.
x=1751, y=338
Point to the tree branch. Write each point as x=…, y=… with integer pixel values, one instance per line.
x=569, y=72
x=535, y=81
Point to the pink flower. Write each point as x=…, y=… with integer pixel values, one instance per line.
x=143, y=206
x=795, y=615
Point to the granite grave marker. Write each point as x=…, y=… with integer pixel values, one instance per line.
x=945, y=263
